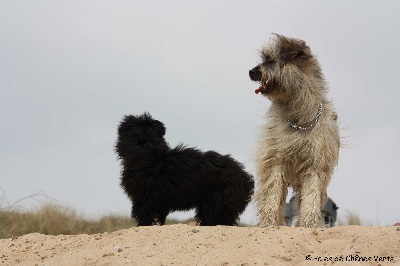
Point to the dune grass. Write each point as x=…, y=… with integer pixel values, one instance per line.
x=53, y=219
x=349, y=219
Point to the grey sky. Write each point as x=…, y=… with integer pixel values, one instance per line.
x=69, y=71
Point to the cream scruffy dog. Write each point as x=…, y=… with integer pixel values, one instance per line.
x=299, y=145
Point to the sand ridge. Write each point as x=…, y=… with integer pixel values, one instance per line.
x=219, y=245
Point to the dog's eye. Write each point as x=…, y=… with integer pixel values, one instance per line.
x=268, y=60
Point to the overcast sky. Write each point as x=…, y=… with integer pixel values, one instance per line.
x=69, y=71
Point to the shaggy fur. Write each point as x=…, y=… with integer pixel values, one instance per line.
x=298, y=147
x=160, y=180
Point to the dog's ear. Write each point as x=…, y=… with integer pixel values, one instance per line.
x=292, y=49
x=127, y=123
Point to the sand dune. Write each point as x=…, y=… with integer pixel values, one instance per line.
x=220, y=245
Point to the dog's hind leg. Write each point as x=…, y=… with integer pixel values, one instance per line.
x=162, y=216
x=211, y=214
x=142, y=215
x=312, y=198
x=218, y=209
x=199, y=216
x=206, y=214
x=271, y=198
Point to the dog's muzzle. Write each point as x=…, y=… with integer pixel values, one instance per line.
x=255, y=73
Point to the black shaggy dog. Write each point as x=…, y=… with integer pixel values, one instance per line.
x=160, y=180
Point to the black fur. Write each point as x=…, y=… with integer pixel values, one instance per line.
x=160, y=180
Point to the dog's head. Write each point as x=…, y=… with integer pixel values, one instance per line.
x=286, y=64
x=140, y=133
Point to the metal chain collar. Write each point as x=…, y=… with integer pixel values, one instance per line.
x=294, y=125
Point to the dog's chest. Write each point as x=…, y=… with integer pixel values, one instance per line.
x=290, y=145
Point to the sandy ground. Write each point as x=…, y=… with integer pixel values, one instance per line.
x=220, y=245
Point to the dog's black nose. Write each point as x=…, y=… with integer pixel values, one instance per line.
x=255, y=73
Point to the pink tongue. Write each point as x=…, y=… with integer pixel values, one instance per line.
x=259, y=89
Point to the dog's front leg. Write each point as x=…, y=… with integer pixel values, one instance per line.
x=271, y=197
x=312, y=198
